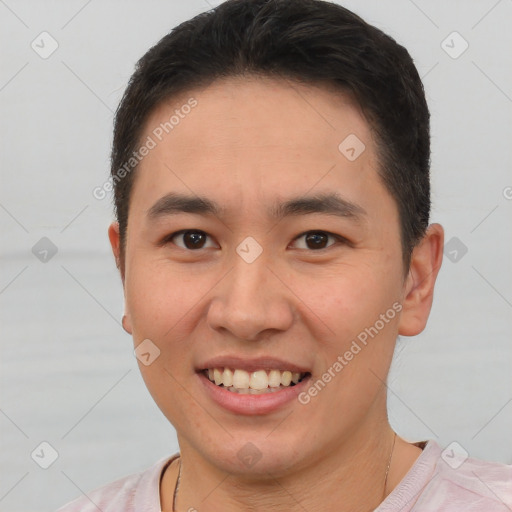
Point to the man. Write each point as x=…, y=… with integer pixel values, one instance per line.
x=271, y=178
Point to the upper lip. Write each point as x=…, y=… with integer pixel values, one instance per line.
x=252, y=364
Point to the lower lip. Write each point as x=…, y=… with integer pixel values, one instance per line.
x=252, y=404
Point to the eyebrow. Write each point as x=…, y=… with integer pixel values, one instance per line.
x=328, y=203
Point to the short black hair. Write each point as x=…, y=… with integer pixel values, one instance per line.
x=307, y=41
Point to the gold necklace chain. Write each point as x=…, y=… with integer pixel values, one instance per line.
x=383, y=495
x=387, y=469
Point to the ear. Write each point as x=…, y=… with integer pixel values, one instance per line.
x=426, y=260
x=115, y=242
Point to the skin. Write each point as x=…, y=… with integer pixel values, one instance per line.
x=248, y=143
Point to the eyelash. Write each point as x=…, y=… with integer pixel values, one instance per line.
x=339, y=239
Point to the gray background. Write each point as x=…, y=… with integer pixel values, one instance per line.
x=68, y=375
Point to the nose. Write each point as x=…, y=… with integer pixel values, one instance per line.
x=251, y=303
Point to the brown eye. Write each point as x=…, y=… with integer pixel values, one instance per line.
x=191, y=239
x=316, y=240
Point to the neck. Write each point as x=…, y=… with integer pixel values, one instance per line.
x=353, y=474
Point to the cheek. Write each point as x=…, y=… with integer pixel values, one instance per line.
x=348, y=297
x=156, y=297
x=351, y=305
x=163, y=383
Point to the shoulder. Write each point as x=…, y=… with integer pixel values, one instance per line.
x=129, y=493
x=443, y=480
x=463, y=483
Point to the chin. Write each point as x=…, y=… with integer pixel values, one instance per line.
x=257, y=457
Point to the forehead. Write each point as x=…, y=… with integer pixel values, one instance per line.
x=251, y=137
x=243, y=112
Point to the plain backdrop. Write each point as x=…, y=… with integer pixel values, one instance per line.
x=68, y=374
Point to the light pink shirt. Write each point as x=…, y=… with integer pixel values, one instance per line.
x=430, y=485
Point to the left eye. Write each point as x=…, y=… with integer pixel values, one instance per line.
x=317, y=239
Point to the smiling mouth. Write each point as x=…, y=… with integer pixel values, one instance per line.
x=253, y=383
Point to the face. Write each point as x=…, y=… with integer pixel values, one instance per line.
x=291, y=261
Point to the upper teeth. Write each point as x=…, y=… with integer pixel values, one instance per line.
x=261, y=379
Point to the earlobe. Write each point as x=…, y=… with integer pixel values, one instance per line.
x=127, y=324
x=426, y=262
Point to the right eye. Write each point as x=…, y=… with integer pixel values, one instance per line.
x=191, y=239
